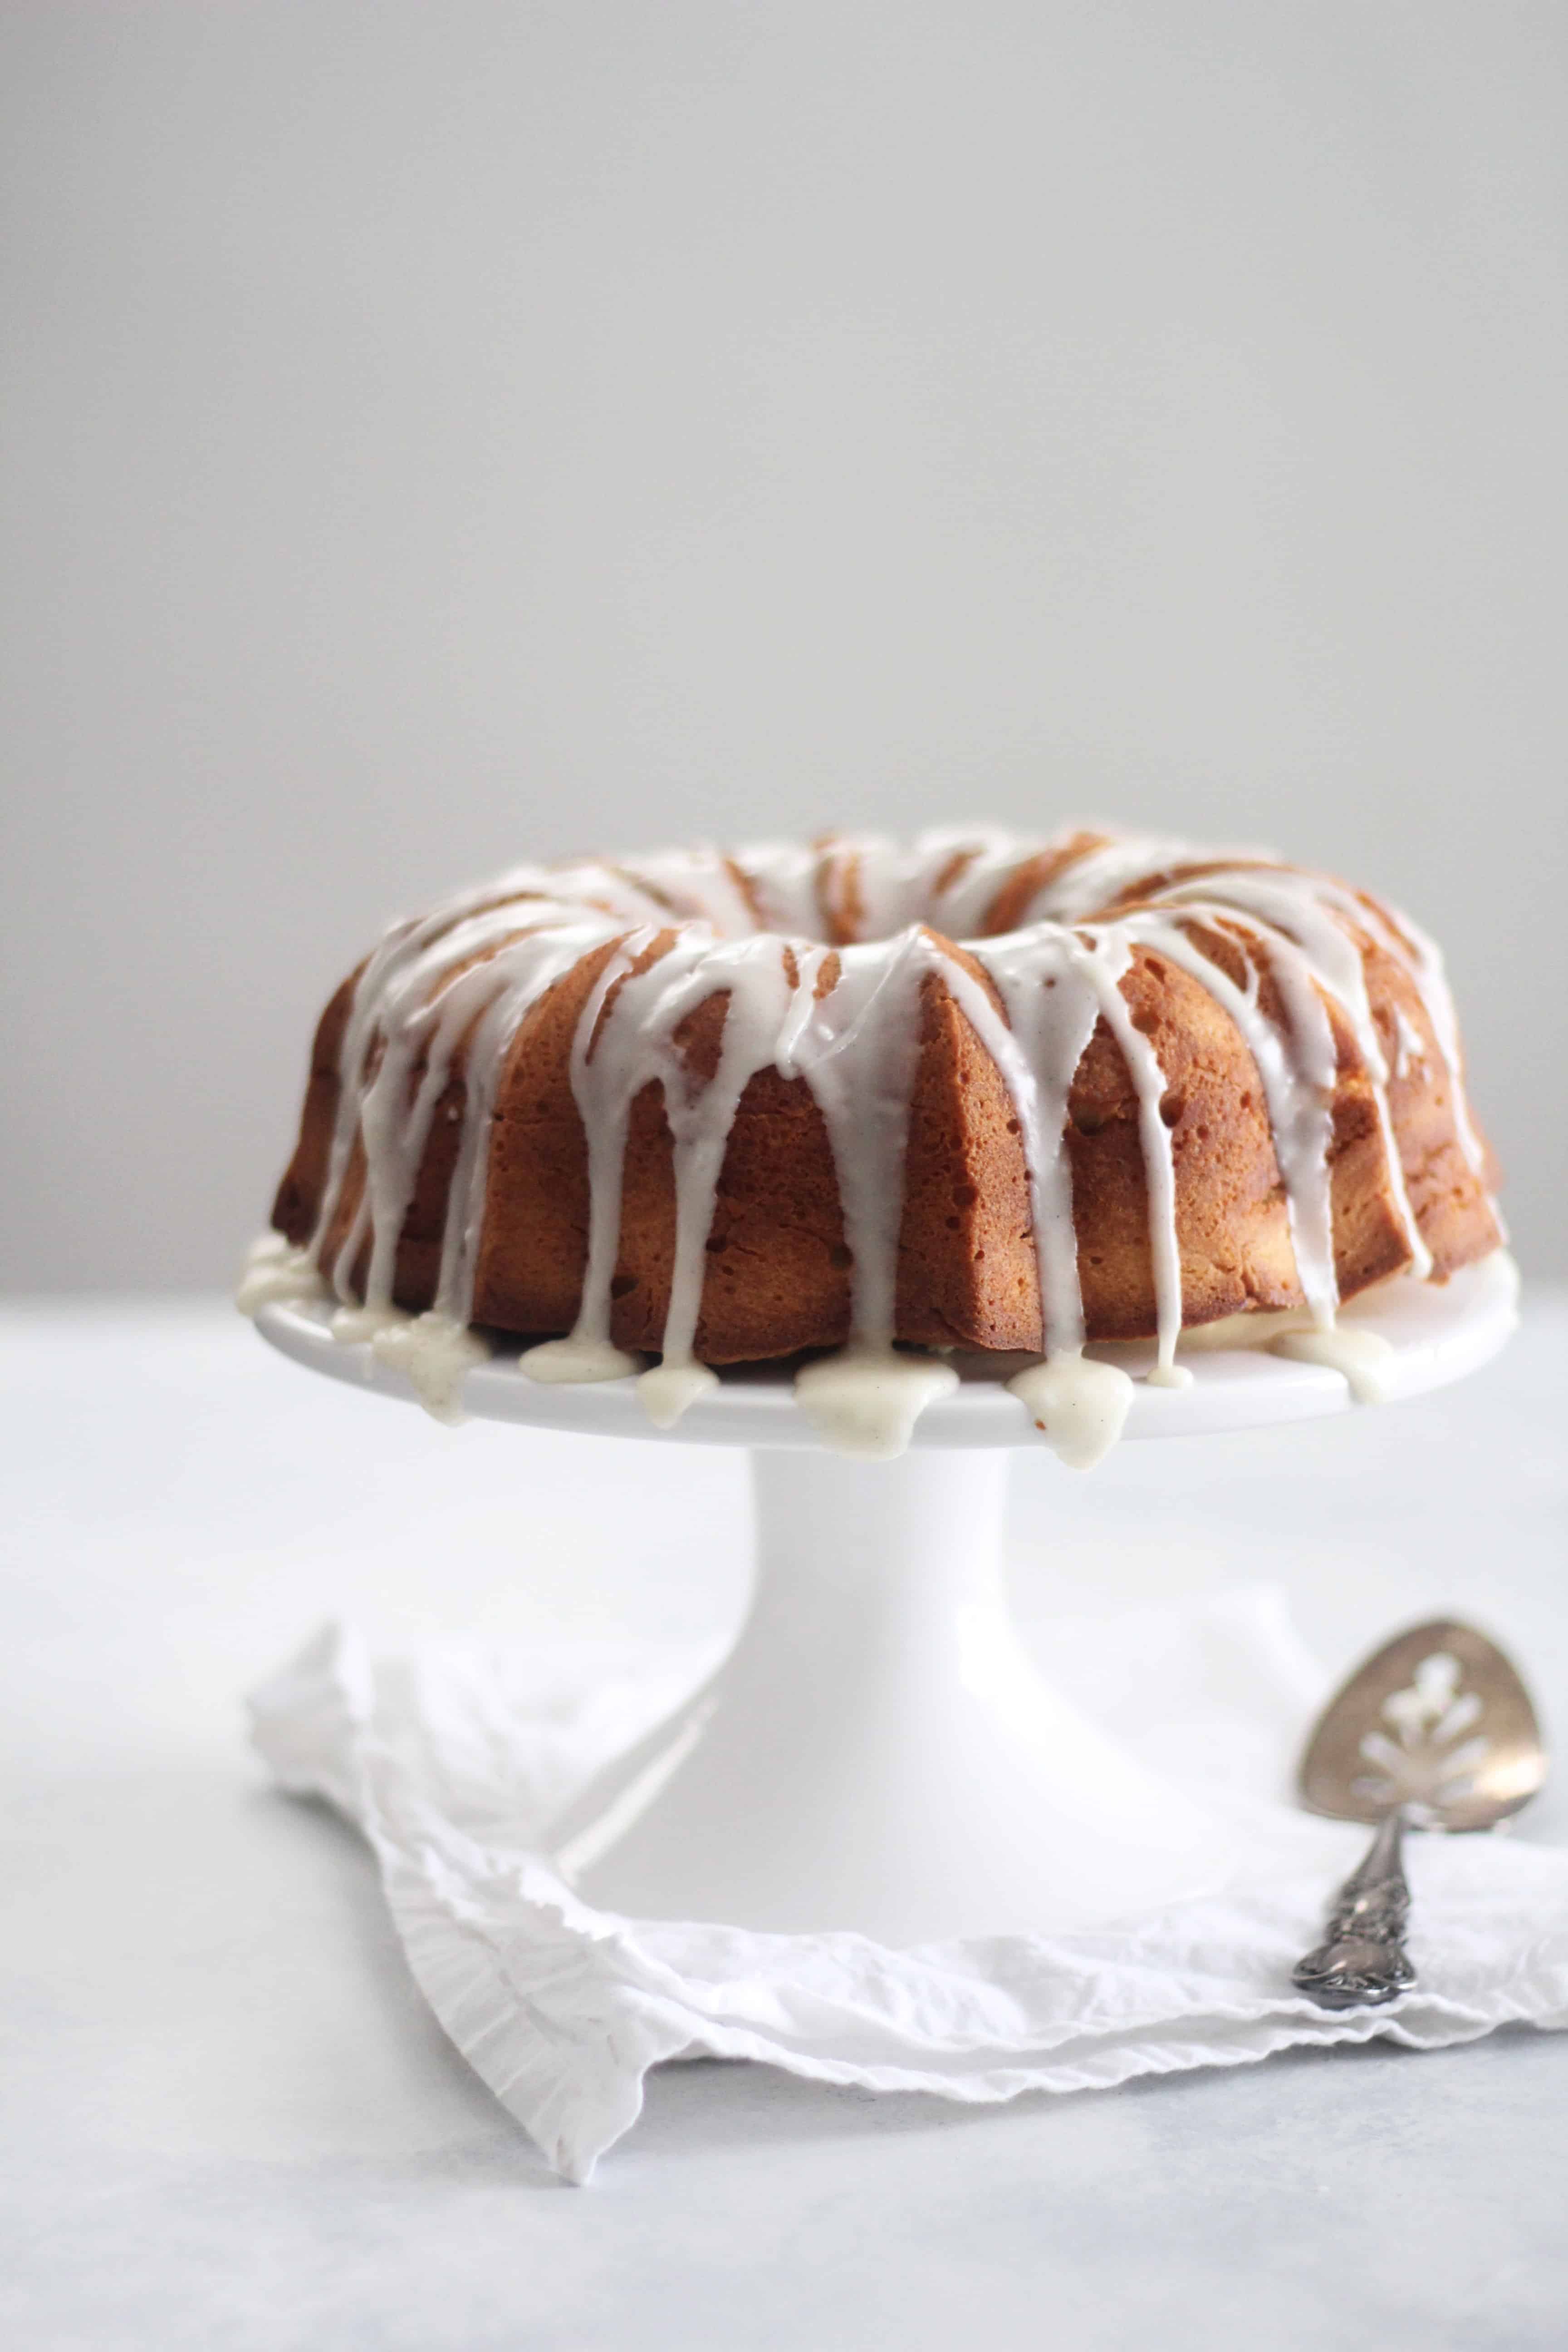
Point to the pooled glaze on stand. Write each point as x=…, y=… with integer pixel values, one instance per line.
x=822, y=956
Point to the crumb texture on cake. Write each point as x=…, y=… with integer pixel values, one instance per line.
x=979, y=1091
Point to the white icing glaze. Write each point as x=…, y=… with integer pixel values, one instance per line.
x=563, y=1362
x=1410, y=1047
x=437, y=1008
x=1254, y=1331
x=354, y=1323
x=1365, y=1358
x=1422, y=961
x=1159, y=1152
x=857, y=1049
x=1296, y=1065
x=670, y=1389
x=275, y=1271
x=433, y=1351
x=268, y=1249
x=1085, y=885
x=435, y=1355
x=969, y=869
x=1051, y=1006
x=1313, y=913
x=1078, y=1406
x=867, y=1401
x=782, y=879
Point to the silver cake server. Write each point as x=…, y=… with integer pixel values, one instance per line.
x=1435, y=1731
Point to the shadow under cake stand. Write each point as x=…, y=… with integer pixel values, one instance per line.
x=877, y=1751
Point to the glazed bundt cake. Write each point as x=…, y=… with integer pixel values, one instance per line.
x=978, y=1092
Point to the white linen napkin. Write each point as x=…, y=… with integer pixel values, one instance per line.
x=452, y=1762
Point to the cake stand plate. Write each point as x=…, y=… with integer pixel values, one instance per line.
x=878, y=1752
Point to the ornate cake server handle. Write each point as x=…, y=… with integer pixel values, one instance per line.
x=1361, y=1961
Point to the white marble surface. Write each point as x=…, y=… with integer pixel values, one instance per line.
x=228, y=2120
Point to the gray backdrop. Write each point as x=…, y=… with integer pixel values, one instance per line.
x=438, y=434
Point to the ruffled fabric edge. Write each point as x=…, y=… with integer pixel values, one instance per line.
x=562, y=2009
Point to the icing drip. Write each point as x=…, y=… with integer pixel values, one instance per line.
x=867, y=1401
x=354, y=1323
x=1410, y=1048
x=627, y=1035
x=440, y=1004
x=1254, y=1331
x=1055, y=986
x=275, y=1271
x=781, y=876
x=1422, y=959
x=967, y=871
x=435, y=1356
x=695, y=885
x=755, y=976
x=557, y=1363
x=857, y=1049
x=667, y=1391
x=1079, y=1407
x=478, y=964
x=1052, y=1006
x=1296, y=1066
x=1159, y=1154
x=609, y=1069
x=1365, y=1358
x=1304, y=909
x=872, y=888
x=1087, y=884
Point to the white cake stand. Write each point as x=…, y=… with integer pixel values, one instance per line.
x=878, y=1752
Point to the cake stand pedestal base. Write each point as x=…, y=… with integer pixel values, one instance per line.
x=879, y=1751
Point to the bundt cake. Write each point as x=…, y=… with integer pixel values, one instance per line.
x=977, y=1093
